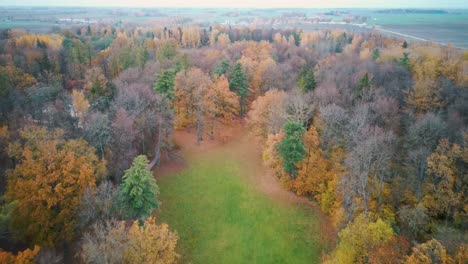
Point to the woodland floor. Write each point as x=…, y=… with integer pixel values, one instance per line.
x=227, y=207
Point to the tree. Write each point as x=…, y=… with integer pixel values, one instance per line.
x=105, y=243
x=430, y=252
x=360, y=238
x=165, y=84
x=423, y=137
x=414, y=221
x=405, y=61
x=368, y=160
x=317, y=175
x=98, y=90
x=80, y=105
x=138, y=190
x=306, y=80
x=58, y=172
x=151, y=243
x=123, y=146
x=98, y=132
x=291, y=148
x=222, y=104
x=23, y=257
x=375, y=54
x=222, y=67
x=267, y=114
x=363, y=87
x=99, y=205
x=238, y=84
x=191, y=89
x=112, y=242
x=404, y=45
x=447, y=183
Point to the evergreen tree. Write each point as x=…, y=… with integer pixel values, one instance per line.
x=405, y=61
x=405, y=45
x=165, y=84
x=364, y=86
x=291, y=148
x=238, y=84
x=375, y=54
x=138, y=189
x=306, y=80
x=222, y=67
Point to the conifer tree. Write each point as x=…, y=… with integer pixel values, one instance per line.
x=138, y=189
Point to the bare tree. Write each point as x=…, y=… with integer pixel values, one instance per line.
x=370, y=157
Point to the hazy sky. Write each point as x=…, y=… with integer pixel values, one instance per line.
x=245, y=3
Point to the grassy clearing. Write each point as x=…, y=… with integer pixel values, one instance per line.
x=220, y=218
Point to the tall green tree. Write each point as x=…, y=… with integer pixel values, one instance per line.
x=238, y=84
x=165, y=84
x=363, y=86
x=306, y=80
x=138, y=190
x=291, y=148
x=405, y=61
x=375, y=54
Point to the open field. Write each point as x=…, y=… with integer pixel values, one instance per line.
x=222, y=216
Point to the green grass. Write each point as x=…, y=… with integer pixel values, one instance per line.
x=220, y=218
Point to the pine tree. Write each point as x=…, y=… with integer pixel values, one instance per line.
x=165, y=84
x=363, y=86
x=375, y=54
x=405, y=45
x=238, y=84
x=306, y=80
x=405, y=61
x=139, y=189
x=291, y=148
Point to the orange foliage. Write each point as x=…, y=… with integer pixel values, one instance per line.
x=221, y=103
x=57, y=172
x=24, y=257
x=267, y=114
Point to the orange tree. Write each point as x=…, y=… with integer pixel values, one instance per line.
x=48, y=181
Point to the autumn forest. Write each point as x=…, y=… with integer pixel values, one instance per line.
x=231, y=144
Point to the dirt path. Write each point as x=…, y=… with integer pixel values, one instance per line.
x=237, y=145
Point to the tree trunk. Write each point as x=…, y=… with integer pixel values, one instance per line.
x=157, y=149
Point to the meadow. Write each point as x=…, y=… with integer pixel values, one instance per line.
x=221, y=218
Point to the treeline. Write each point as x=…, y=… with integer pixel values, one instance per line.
x=372, y=128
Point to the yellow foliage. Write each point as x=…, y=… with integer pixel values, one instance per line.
x=80, y=104
x=428, y=253
x=151, y=243
x=359, y=239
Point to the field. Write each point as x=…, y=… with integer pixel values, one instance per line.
x=446, y=27
x=222, y=217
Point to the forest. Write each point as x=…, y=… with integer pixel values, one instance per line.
x=370, y=130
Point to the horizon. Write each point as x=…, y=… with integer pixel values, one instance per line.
x=261, y=4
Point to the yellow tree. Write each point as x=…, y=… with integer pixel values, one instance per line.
x=56, y=171
x=190, y=89
x=222, y=104
x=444, y=191
x=359, y=239
x=430, y=252
x=151, y=243
x=80, y=105
x=319, y=176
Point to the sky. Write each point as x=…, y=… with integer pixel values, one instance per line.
x=247, y=3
